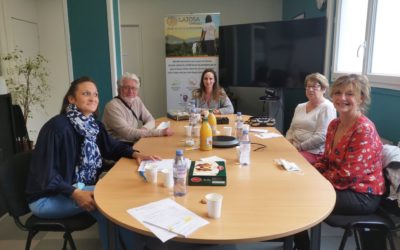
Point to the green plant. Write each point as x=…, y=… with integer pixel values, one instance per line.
x=26, y=78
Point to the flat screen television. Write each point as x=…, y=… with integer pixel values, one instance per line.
x=271, y=54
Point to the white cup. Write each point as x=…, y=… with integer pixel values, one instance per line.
x=214, y=205
x=188, y=131
x=196, y=131
x=228, y=131
x=168, y=178
x=150, y=171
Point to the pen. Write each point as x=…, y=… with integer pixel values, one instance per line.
x=142, y=174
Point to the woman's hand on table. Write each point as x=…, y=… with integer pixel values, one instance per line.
x=216, y=111
x=142, y=157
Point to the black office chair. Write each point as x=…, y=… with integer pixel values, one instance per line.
x=21, y=132
x=13, y=175
x=379, y=220
x=386, y=219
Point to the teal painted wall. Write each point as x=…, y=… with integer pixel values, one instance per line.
x=117, y=38
x=89, y=44
x=384, y=110
x=292, y=8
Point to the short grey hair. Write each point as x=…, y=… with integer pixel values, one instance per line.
x=128, y=75
x=317, y=77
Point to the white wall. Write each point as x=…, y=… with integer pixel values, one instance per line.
x=149, y=15
x=49, y=15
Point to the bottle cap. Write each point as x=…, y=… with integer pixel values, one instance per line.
x=245, y=131
x=179, y=152
x=239, y=113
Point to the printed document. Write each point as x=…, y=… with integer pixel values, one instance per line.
x=167, y=219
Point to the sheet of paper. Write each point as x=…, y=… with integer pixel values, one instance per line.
x=258, y=130
x=165, y=163
x=169, y=217
x=162, y=234
x=212, y=159
x=163, y=125
x=268, y=135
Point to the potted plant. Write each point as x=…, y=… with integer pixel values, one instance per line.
x=26, y=79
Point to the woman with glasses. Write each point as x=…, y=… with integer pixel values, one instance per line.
x=310, y=120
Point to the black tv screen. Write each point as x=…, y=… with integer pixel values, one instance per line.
x=271, y=54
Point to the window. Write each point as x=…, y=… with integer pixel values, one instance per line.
x=367, y=40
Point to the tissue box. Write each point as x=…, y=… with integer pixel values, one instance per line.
x=203, y=173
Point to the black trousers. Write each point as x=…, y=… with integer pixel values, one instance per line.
x=350, y=203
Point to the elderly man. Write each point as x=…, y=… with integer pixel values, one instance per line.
x=125, y=116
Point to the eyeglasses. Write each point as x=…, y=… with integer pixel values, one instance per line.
x=130, y=88
x=314, y=87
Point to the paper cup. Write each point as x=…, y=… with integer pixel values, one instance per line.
x=150, y=171
x=168, y=179
x=214, y=205
x=196, y=131
x=188, y=131
x=228, y=131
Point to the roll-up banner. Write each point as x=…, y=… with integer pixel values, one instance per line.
x=191, y=45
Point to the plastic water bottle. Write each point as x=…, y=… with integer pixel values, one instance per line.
x=192, y=118
x=180, y=174
x=239, y=125
x=245, y=149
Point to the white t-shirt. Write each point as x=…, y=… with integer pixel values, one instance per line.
x=209, y=29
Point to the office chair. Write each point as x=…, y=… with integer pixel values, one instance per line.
x=354, y=223
x=13, y=175
x=21, y=133
x=386, y=219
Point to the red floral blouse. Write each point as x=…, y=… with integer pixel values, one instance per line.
x=356, y=161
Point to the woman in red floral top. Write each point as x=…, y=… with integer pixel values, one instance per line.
x=352, y=160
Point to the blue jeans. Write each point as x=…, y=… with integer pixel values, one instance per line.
x=60, y=206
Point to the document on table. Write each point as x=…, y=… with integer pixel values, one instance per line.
x=167, y=219
x=268, y=135
x=165, y=163
x=163, y=125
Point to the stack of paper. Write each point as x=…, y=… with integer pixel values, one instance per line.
x=167, y=219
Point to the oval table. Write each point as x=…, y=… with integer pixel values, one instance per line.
x=260, y=202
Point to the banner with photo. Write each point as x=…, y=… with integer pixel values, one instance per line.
x=191, y=45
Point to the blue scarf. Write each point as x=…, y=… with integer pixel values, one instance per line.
x=90, y=158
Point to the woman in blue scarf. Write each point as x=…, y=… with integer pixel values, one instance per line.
x=67, y=160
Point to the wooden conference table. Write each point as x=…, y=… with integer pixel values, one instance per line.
x=261, y=201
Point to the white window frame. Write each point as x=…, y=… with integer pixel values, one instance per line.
x=380, y=81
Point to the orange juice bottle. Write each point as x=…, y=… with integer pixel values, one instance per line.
x=205, y=135
x=213, y=122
